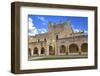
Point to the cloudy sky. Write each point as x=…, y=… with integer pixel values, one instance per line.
x=38, y=24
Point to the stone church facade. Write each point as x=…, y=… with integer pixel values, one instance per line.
x=59, y=40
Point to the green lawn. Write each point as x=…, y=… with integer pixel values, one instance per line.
x=56, y=57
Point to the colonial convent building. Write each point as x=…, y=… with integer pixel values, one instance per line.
x=59, y=40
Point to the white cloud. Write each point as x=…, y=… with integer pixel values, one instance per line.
x=32, y=29
x=86, y=32
x=41, y=18
x=43, y=30
x=30, y=20
x=76, y=30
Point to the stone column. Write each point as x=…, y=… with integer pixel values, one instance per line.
x=47, y=50
x=68, y=49
x=58, y=50
x=80, y=52
x=32, y=52
x=39, y=51
x=55, y=50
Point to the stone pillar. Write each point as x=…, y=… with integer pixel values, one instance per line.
x=58, y=50
x=68, y=50
x=47, y=50
x=80, y=52
x=32, y=52
x=45, y=53
x=55, y=50
x=39, y=51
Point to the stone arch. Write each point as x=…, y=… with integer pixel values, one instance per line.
x=29, y=51
x=42, y=50
x=51, y=50
x=62, y=49
x=84, y=47
x=73, y=48
x=35, y=51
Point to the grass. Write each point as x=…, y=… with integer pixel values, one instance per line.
x=57, y=57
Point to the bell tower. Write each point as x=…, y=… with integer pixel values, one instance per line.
x=68, y=27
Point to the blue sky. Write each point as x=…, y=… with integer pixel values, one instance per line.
x=39, y=23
